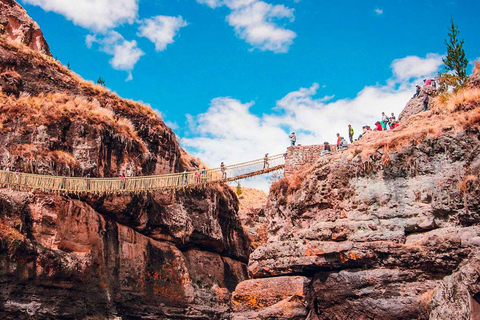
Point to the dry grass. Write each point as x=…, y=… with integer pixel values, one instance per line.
x=454, y=113
x=129, y=107
x=35, y=152
x=288, y=185
x=8, y=234
x=55, y=108
x=466, y=183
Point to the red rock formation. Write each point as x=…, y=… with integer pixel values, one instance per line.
x=168, y=255
x=415, y=105
x=475, y=78
x=15, y=23
x=279, y=298
x=252, y=215
x=388, y=229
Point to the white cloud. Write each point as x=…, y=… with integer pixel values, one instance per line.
x=125, y=53
x=379, y=11
x=211, y=3
x=416, y=67
x=256, y=22
x=161, y=30
x=95, y=15
x=229, y=132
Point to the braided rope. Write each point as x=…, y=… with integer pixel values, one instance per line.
x=190, y=179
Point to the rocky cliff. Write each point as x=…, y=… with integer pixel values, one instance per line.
x=388, y=229
x=15, y=23
x=163, y=255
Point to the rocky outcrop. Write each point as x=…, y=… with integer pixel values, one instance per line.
x=252, y=215
x=16, y=24
x=387, y=232
x=475, y=78
x=455, y=298
x=11, y=83
x=416, y=104
x=72, y=253
x=281, y=298
x=163, y=255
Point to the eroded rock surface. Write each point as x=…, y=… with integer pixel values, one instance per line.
x=161, y=255
x=15, y=23
x=251, y=212
x=415, y=105
x=282, y=298
x=378, y=239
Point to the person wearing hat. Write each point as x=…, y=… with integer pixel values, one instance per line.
x=266, y=165
x=293, y=138
x=417, y=92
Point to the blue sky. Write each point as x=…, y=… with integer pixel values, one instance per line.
x=234, y=77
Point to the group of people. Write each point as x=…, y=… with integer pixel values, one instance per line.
x=386, y=123
x=199, y=175
x=426, y=96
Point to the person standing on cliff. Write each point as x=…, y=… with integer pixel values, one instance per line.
x=338, y=140
x=293, y=138
x=417, y=92
x=425, y=101
x=350, y=133
x=384, y=121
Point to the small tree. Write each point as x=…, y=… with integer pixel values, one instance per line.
x=68, y=65
x=455, y=62
x=101, y=82
x=239, y=189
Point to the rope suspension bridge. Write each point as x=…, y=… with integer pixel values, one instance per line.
x=119, y=185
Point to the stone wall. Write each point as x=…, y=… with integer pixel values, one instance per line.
x=301, y=157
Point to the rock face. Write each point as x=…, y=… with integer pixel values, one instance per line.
x=393, y=236
x=281, y=298
x=415, y=105
x=162, y=255
x=252, y=215
x=475, y=78
x=71, y=253
x=15, y=23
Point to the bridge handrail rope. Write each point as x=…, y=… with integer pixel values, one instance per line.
x=77, y=185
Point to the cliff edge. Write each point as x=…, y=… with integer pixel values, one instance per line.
x=164, y=255
x=387, y=229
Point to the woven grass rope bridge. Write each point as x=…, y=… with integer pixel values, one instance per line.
x=190, y=179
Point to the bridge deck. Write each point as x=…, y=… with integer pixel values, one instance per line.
x=191, y=179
